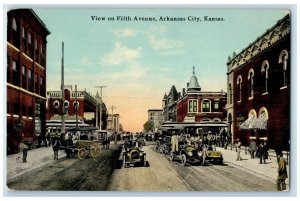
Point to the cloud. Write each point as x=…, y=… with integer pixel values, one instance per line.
x=166, y=46
x=86, y=61
x=120, y=54
x=125, y=33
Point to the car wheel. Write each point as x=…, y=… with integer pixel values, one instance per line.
x=183, y=159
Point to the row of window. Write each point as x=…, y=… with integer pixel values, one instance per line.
x=14, y=108
x=66, y=106
x=283, y=60
x=207, y=106
x=28, y=79
x=27, y=44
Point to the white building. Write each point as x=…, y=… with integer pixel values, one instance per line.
x=155, y=116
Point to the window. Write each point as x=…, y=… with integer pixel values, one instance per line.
x=41, y=86
x=36, y=83
x=30, y=112
x=30, y=46
x=30, y=80
x=76, y=104
x=24, y=112
x=66, y=107
x=23, y=77
x=8, y=107
x=216, y=106
x=24, y=39
x=230, y=94
x=36, y=51
x=193, y=106
x=206, y=106
x=283, y=59
x=8, y=73
x=15, y=39
x=16, y=108
x=16, y=74
x=251, y=82
x=239, y=87
x=265, y=72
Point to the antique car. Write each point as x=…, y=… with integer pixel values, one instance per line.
x=213, y=156
x=133, y=154
x=187, y=154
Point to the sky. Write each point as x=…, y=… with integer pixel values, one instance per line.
x=139, y=61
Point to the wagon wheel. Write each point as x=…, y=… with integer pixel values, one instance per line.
x=82, y=153
x=95, y=150
x=183, y=159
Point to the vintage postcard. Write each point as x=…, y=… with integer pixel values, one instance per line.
x=148, y=100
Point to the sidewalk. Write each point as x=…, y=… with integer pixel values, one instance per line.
x=35, y=158
x=266, y=171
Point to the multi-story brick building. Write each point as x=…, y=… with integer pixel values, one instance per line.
x=79, y=103
x=197, y=106
x=26, y=77
x=259, y=88
x=169, y=105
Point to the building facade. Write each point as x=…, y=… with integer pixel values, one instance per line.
x=197, y=106
x=259, y=88
x=76, y=103
x=113, y=123
x=155, y=116
x=169, y=104
x=26, y=77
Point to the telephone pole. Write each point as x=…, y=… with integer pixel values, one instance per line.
x=101, y=101
x=62, y=93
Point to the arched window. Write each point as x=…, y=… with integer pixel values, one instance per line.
x=206, y=105
x=66, y=107
x=76, y=105
x=14, y=25
x=265, y=72
x=251, y=82
x=283, y=59
x=239, y=87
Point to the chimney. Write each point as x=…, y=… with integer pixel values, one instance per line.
x=183, y=91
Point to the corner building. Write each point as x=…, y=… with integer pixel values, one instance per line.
x=26, y=77
x=258, y=81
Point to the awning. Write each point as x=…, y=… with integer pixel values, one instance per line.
x=245, y=125
x=260, y=122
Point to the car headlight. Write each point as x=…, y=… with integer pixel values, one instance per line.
x=190, y=153
x=199, y=154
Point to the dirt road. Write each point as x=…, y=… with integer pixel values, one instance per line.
x=163, y=175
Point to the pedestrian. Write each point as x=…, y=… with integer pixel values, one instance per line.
x=174, y=142
x=252, y=148
x=55, y=146
x=278, y=151
x=264, y=153
x=282, y=174
x=238, y=150
x=24, y=149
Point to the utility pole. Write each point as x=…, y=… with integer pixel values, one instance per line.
x=62, y=93
x=112, y=122
x=100, y=123
x=76, y=106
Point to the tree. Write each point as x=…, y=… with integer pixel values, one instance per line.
x=148, y=126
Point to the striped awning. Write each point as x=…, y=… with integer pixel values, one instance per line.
x=260, y=122
x=246, y=124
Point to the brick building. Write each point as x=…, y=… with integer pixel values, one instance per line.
x=169, y=104
x=76, y=101
x=197, y=106
x=26, y=77
x=259, y=88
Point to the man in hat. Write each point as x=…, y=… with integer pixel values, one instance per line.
x=238, y=150
x=282, y=173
